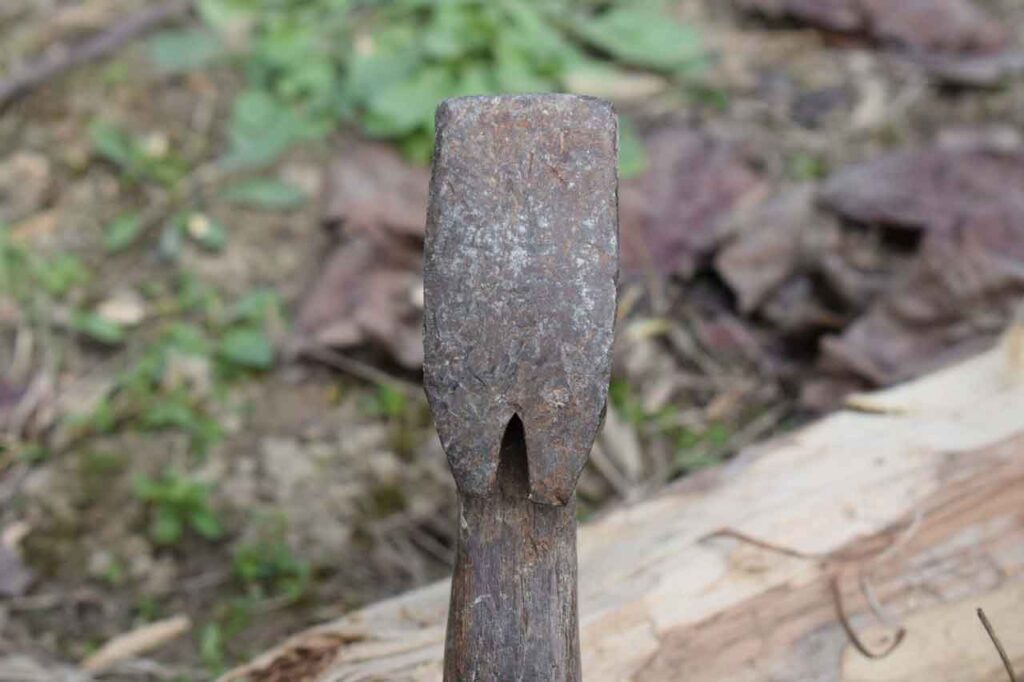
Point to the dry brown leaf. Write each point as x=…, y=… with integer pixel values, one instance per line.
x=15, y=577
x=952, y=26
x=767, y=249
x=371, y=188
x=955, y=301
x=959, y=293
x=24, y=183
x=368, y=292
x=932, y=25
x=930, y=188
x=980, y=71
x=673, y=216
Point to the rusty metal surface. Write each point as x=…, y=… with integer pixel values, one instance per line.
x=520, y=272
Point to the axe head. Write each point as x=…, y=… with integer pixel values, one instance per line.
x=520, y=269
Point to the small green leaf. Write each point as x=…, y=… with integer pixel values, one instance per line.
x=120, y=234
x=169, y=415
x=206, y=232
x=204, y=434
x=97, y=328
x=643, y=37
x=112, y=144
x=145, y=488
x=34, y=453
x=185, y=338
x=211, y=647
x=171, y=238
x=257, y=306
x=261, y=129
x=166, y=527
x=181, y=50
x=59, y=274
x=474, y=79
x=388, y=401
x=418, y=147
x=265, y=193
x=408, y=105
x=805, y=167
x=632, y=153
x=393, y=59
x=515, y=68
x=103, y=418
x=248, y=348
x=205, y=523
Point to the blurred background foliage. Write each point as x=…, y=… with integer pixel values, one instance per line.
x=311, y=65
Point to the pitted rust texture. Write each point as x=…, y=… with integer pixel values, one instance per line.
x=520, y=271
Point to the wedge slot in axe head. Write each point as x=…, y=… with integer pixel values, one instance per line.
x=520, y=269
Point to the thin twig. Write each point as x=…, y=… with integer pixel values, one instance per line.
x=57, y=61
x=763, y=544
x=858, y=643
x=847, y=556
x=998, y=645
x=358, y=369
x=871, y=557
x=874, y=603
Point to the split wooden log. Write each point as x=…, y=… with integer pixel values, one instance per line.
x=856, y=549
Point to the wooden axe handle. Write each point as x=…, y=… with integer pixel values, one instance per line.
x=513, y=612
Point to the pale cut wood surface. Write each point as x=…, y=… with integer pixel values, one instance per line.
x=904, y=512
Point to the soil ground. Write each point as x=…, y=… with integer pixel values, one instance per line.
x=339, y=481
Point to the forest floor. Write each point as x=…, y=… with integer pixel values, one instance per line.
x=209, y=383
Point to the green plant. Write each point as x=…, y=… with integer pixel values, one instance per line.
x=247, y=348
x=33, y=453
x=178, y=379
x=120, y=233
x=620, y=393
x=386, y=500
x=695, y=448
x=137, y=158
x=259, y=307
x=25, y=275
x=211, y=648
x=700, y=449
x=147, y=397
x=805, y=167
x=178, y=411
x=311, y=64
x=269, y=567
x=185, y=50
x=59, y=274
x=227, y=620
x=177, y=503
x=148, y=609
x=115, y=573
x=387, y=401
x=97, y=327
x=13, y=265
x=203, y=230
x=265, y=193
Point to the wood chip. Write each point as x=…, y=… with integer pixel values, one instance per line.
x=138, y=641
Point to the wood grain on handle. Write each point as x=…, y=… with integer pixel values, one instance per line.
x=513, y=613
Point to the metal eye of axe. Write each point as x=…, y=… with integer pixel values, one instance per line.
x=520, y=269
